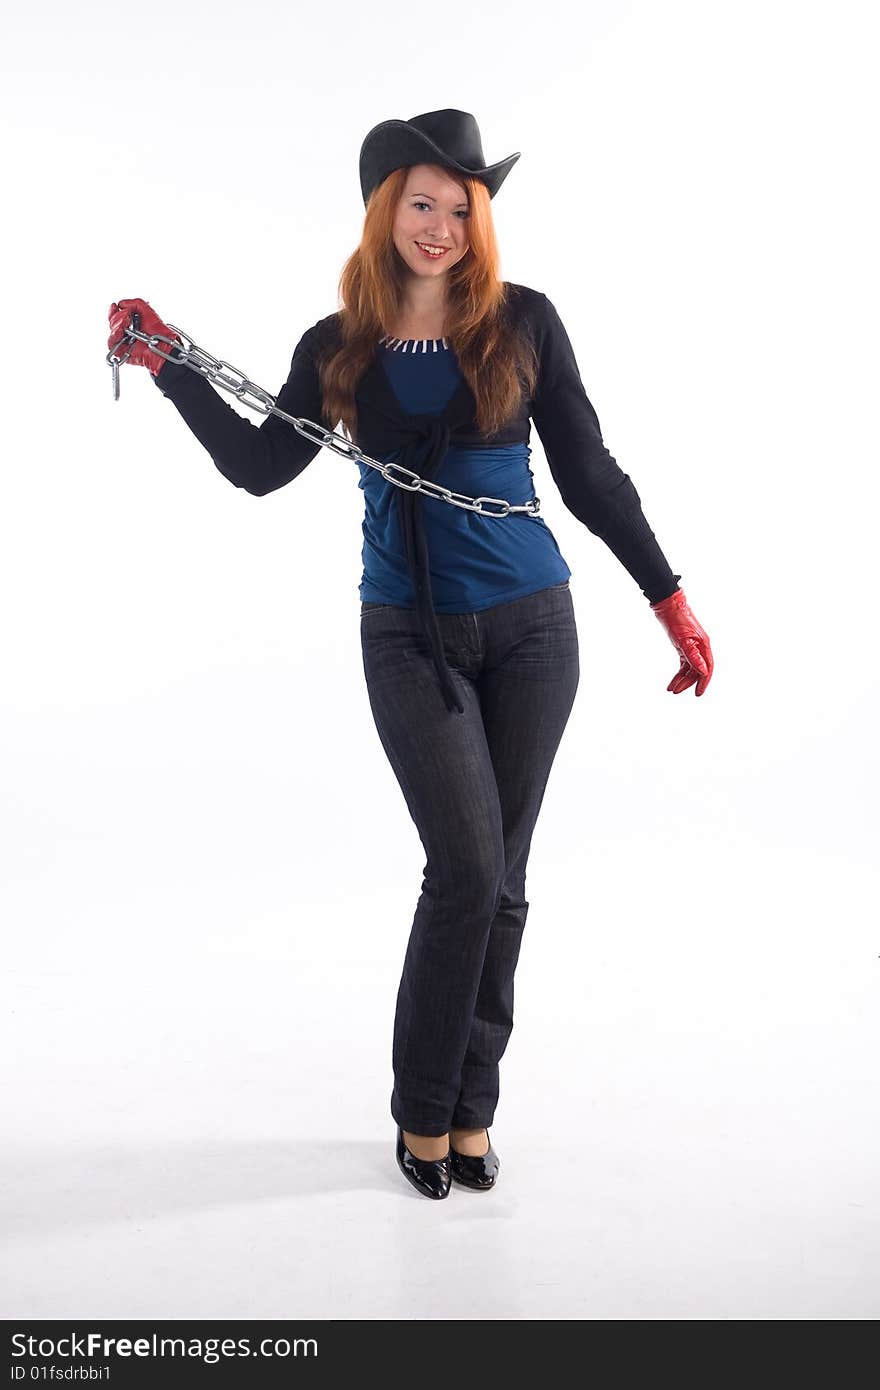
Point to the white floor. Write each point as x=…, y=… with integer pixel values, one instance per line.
x=688, y=1125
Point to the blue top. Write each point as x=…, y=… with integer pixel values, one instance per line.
x=476, y=561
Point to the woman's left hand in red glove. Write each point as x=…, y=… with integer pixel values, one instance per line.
x=689, y=640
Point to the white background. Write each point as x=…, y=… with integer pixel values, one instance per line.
x=209, y=870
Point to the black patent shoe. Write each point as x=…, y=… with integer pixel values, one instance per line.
x=430, y=1176
x=477, y=1172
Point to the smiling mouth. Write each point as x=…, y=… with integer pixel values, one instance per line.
x=436, y=253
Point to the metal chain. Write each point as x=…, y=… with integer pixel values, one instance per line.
x=230, y=379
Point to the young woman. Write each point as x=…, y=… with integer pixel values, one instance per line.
x=435, y=367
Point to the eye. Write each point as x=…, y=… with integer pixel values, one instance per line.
x=419, y=204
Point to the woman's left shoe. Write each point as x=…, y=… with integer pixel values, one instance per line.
x=477, y=1172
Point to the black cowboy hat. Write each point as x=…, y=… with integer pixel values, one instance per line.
x=449, y=137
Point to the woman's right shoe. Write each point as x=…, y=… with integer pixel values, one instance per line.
x=430, y=1176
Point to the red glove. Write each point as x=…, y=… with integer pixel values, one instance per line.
x=689, y=640
x=141, y=354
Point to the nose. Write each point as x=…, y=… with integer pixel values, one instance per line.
x=440, y=235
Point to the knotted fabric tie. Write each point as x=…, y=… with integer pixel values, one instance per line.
x=423, y=453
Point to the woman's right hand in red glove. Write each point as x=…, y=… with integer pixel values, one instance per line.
x=141, y=355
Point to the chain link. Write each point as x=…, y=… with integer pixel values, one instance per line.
x=230, y=379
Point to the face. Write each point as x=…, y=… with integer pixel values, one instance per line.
x=433, y=210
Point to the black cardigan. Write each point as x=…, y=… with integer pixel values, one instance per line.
x=262, y=458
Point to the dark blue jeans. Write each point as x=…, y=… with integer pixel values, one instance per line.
x=474, y=784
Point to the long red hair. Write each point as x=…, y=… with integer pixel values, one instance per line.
x=498, y=362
